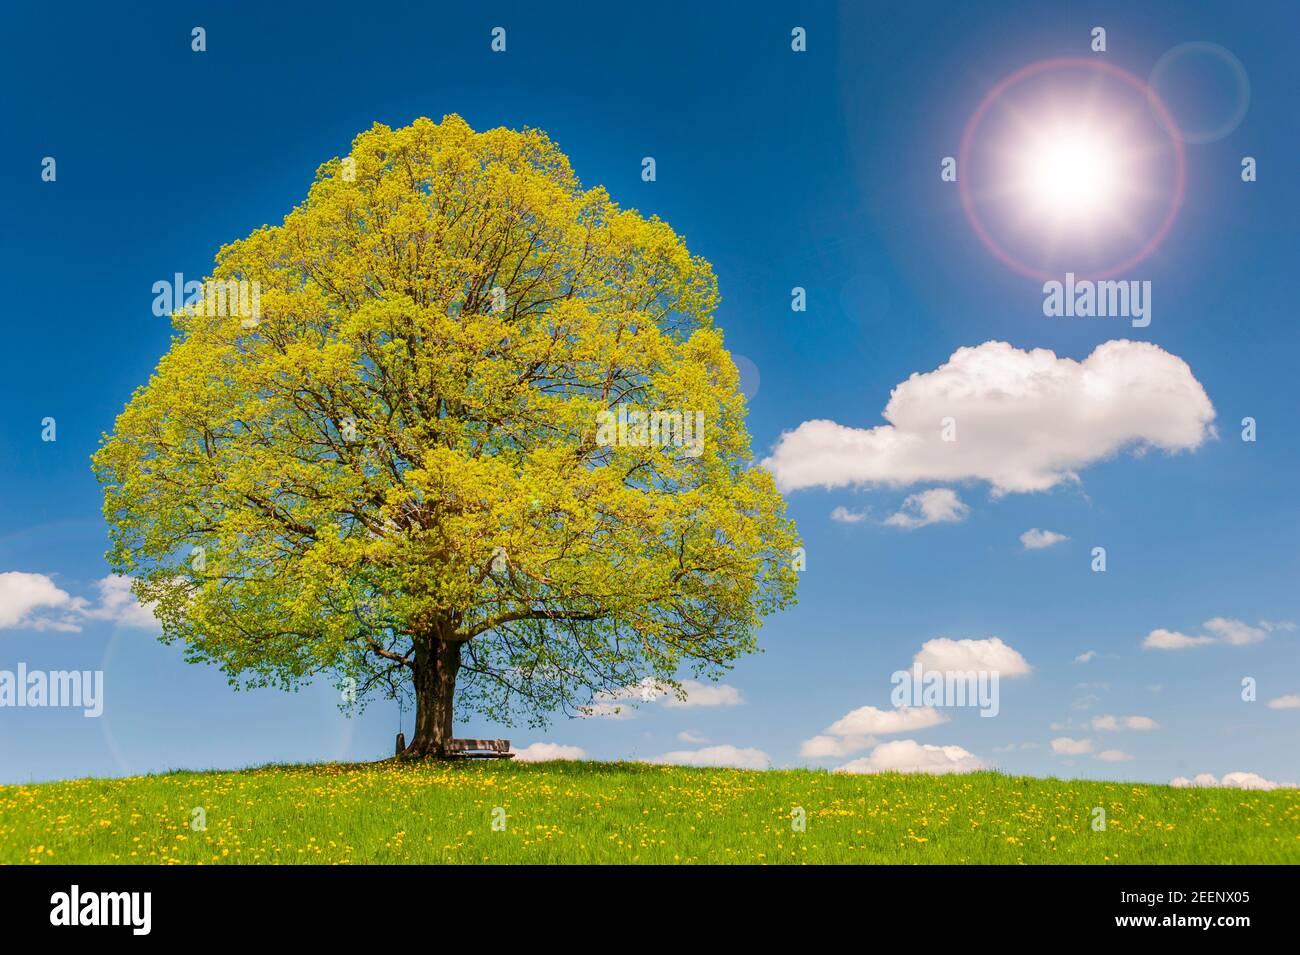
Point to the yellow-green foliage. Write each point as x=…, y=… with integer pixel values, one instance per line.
x=347, y=466
x=634, y=813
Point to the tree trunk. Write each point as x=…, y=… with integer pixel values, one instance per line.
x=436, y=664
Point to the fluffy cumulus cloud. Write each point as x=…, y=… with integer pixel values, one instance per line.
x=1114, y=723
x=1162, y=639
x=966, y=655
x=34, y=602
x=909, y=756
x=725, y=755
x=601, y=710
x=621, y=704
x=867, y=720
x=1221, y=630
x=1114, y=756
x=842, y=515
x=547, y=752
x=857, y=729
x=25, y=600
x=1065, y=746
x=1229, y=781
x=1085, y=656
x=825, y=746
x=118, y=604
x=939, y=505
x=1035, y=539
x=705, y=694
x=1021, y=420
x=1234, y=632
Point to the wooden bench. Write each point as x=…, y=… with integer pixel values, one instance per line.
x=479, y=748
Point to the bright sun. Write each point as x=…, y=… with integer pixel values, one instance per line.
x=1071, y=176
x=1071, y=164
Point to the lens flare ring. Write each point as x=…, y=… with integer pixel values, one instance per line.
x=1068, y=176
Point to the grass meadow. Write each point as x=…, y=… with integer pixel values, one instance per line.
x=588, y=812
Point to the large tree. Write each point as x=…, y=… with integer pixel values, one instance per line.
x=403, y=471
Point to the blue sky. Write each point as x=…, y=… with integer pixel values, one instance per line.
x=818, y=170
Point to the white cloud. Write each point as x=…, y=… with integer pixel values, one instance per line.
x=621, y=704
x=1289, y=702
x=1025, y=421
x=857, y=729
x=1222, y=630
x=1085, y=657
x=1114, y=723
x=942, y=653
x=725, y=755
x=1229, y=781
x=607, y=711
x=35, y=602
x=617, y=704
x=844, y=516
x=705, y=694
x=867, y=720
x=1161, y=639
x=1235, y=632
x=1114, y=756
x=546, y=752
x=821, y=747
x=1035, y=539
x=118, y=604
x=939, y=505
x=1272, y=625
x=909, y=756
x=23, y=594
x=692, y=737
x=1065, y=746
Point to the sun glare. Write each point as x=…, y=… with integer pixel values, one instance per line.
x=1071, y=175
x=1069, y=165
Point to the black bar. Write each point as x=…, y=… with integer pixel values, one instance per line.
x=332, y=905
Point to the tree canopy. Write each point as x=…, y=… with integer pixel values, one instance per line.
x=403, y=470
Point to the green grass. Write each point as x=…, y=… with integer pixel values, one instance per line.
x=632, y=812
